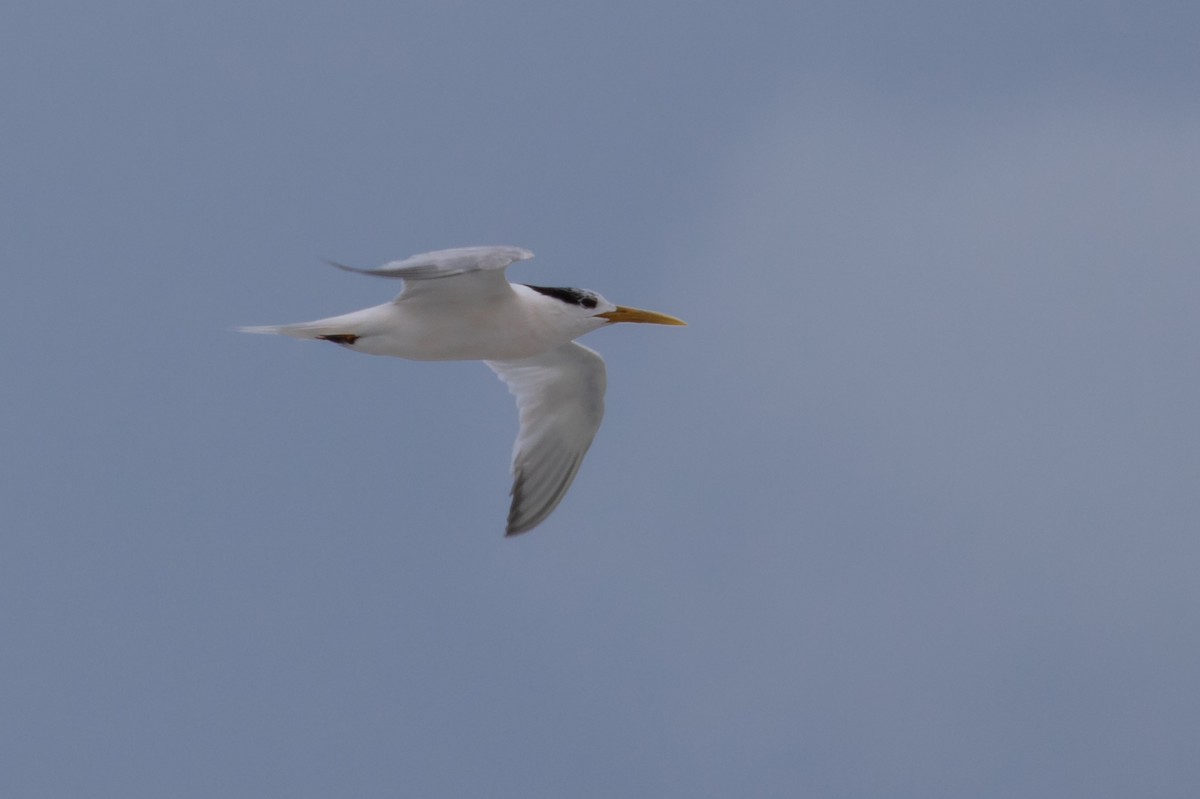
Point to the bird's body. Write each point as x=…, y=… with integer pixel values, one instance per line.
x=458, y=305
x=517, y=322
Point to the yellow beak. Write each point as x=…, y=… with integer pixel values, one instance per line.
x=623, y=314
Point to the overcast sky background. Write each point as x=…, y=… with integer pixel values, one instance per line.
x=910, y=509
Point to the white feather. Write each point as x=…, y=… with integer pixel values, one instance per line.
x=560, y=399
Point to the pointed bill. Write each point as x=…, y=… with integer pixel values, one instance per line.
x=623, y=314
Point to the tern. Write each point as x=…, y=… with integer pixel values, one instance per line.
x=458, y=305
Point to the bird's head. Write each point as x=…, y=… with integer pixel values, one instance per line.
x=588, y=310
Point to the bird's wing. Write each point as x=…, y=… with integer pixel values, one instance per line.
x=560, y=398
x=480, y=271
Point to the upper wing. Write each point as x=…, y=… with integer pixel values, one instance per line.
x=560, y=397
x=482, y=269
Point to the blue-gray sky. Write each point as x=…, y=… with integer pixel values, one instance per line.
x=911, y=509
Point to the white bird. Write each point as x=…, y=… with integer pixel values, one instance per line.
x=458, y=305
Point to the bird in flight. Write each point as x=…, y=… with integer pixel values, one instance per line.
x=458, y=305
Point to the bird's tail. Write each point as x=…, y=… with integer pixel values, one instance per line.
x=341, y=329
x=301, y=330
